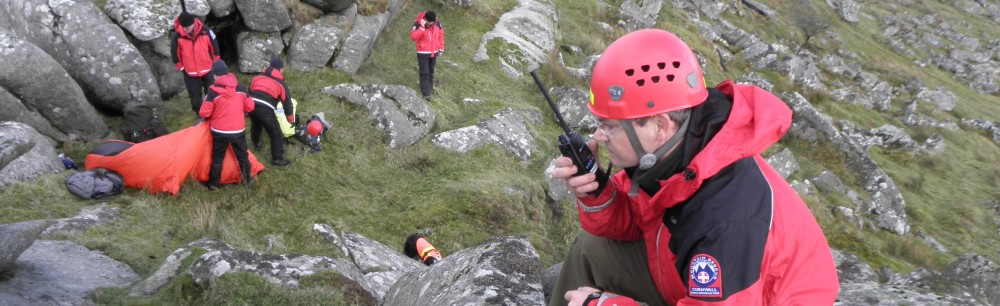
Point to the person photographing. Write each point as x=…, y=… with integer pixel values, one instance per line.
x=696, y=216
x=428, y=34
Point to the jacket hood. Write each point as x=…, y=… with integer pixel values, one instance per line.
x=274, y=73
x=225, y=84
x=735, y=122
x=180, y=29
x=419, y=16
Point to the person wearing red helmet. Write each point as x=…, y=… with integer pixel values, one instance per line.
x=696, y=216
x=428, y=34
x=193, y=49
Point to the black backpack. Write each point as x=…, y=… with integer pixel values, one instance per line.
x=95, y=184
x=141, y=123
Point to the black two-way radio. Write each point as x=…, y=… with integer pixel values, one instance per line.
x=573, y=145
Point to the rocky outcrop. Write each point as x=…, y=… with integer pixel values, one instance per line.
x=264, y=15
x=40, y=93
x=256, y=49
x=639, y=14
x=145, y=19
x=62, y=273
x=523, y=38
x=397, y=110
x=17, y=237
x=314, y=45
x=330, y=6
x=969, y=280
x=784, y=162
x=848, y=10
x=89, y=217
x=380, y=266
x=215, y=258
x=887, y=205
x=361, y=38
x=501, y=271
x=157, y=55
x=507, y=129
x=38, y=161
x=222, y=8
x=572, y=103
x=88, y=45
x=929, y=40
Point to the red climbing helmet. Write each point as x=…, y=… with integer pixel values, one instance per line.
x=314, y=128
x=644, y=73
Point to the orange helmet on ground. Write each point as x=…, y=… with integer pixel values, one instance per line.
x=314, y=128
x=644, y=73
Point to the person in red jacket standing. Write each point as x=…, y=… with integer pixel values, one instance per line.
x=428, y=34
x=697, y=217
x=193, y=49
x=224, y=107
x=267, y=90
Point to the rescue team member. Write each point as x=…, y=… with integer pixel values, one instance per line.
x=428, y=34
x=267, y=90
x=193, y=49
x=697, y=216
x=224, y=107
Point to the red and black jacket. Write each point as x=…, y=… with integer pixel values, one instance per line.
x=723, y=227
x=269, y=89
x=429, y=39
x=193, y=53
x=225, y=105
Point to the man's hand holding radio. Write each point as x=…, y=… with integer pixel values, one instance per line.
x=578, y=185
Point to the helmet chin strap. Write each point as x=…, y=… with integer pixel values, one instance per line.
x=648, y=160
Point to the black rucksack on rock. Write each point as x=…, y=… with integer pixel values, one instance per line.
x=141, y=123
x=95, y=184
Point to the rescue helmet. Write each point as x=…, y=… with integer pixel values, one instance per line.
x=314, y=128
x=644, y=73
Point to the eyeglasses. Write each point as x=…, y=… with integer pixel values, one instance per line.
x=604, y=127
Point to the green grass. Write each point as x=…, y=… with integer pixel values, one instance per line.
x=358, y=184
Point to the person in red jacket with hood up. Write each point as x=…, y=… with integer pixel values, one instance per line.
x=224, y=107
x=193, y=49
x=428, y=34
x=697, y=217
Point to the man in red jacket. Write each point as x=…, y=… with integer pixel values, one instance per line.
x=697, y=217
x=193, y=49
x=428, y=34
x=224, y=107
x=267, y=90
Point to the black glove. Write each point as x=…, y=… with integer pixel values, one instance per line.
x=438, y=54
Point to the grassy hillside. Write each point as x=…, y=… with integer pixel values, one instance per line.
x=357, y=184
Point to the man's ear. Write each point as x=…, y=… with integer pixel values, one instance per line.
x=665, y=127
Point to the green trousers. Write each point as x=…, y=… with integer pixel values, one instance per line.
x=614, y=266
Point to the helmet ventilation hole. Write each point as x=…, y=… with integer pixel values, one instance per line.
x=670, y=78
x=655, y=79
x=661, y=65
x=629, y=72
x=645, y=68
x=677, y=64
x=640, y=82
